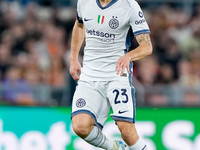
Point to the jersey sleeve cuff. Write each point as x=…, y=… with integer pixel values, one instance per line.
x=147, y=31
x=79, y=19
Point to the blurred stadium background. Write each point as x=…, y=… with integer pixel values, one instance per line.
x=36, y=88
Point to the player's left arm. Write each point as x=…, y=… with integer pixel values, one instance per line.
x=144, y=49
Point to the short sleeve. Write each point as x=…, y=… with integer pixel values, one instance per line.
x=79, y=16
x=137, y=20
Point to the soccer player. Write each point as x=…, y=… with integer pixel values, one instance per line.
x=105, y=78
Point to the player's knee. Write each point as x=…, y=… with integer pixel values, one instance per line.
x=82, y=127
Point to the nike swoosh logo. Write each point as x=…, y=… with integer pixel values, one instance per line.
x=85, y=19
x=121, y=112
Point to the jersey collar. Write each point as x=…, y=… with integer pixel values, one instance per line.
x=110, y=4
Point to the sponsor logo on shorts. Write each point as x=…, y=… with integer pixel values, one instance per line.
x=121, y=112
x=80, y=103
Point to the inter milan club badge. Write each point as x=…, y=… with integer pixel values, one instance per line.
x=114, y=23
x=80, y=102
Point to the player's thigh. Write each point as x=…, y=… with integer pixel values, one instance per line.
x=82, y=120
x=122, y=100
x=88, y=100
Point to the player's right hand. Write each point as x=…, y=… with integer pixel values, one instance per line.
x=75, y=67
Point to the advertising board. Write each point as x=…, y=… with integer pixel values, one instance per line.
x=43, y=128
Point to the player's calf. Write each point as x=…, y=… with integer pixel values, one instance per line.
x=130, y=136
x=128, y=132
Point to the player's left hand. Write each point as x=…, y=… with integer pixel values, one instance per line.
x=122, y=63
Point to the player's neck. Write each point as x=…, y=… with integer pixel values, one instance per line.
x=104, y=2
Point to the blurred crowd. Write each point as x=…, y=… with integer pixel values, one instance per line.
x=35, y=48
x=171, y=76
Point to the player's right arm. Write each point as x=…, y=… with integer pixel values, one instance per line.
x=78, y=35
